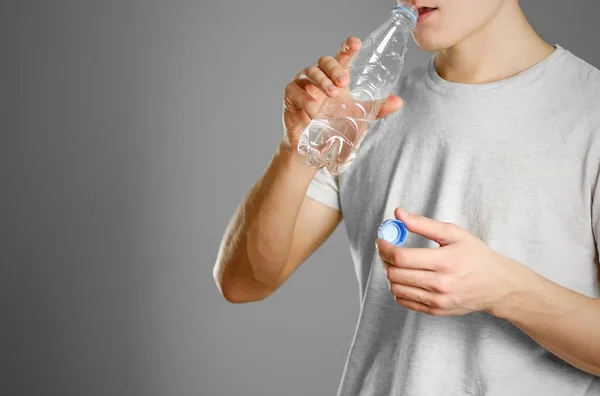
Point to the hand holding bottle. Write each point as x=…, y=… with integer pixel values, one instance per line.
x=341, y=118
x=328, y=77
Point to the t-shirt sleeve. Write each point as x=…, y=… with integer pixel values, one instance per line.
x=596, y=215
x=325, y=188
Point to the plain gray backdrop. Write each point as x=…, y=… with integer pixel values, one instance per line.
x=131, y=130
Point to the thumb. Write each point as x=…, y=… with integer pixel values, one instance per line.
x=442, y=233
x=392, y=104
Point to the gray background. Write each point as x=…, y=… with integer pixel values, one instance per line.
x=130, y=132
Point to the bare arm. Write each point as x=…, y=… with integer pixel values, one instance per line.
x=272, y=232
x=561, y=320
x=277, y=227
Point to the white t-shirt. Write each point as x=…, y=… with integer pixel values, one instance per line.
x=516, y=163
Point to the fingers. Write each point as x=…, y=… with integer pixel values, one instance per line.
x=427, y=280
x=347, y=49
x=296, y=98
x=416, y=294
x=317, y=77
x=429, y=310
x=327, y=75
x=334, y=71
x=442, y=233
x=427, y=259
x=391, y=105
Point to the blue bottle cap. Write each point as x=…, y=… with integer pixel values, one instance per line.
x=394, y=231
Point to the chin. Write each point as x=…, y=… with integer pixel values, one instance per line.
x=431, y=41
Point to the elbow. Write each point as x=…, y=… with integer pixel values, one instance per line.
x=238, y=290
x=236, y=296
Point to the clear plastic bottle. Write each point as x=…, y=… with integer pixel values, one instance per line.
x=334, y=135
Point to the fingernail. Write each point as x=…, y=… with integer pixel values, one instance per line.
x=341, y=78
x=332, y=88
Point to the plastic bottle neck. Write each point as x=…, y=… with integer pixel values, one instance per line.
x=405, y=14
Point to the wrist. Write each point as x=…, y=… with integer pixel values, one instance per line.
x=291, y=159
x=520, y=282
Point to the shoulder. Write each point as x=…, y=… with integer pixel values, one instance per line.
x=582, y=77
x=576, y=100
x=571, y=91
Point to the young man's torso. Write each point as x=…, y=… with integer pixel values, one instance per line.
x=514, y=162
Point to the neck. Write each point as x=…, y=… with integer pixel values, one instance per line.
x=506, y=46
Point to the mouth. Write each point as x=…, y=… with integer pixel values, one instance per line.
x=425, y=12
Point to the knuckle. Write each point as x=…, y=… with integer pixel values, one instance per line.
x=434, y=312
x=437, y=285
x=312, y=71
x=291, y=85
x=332, y=66
x=390, y=273
x=302, y=73
x=402, y=276
x=441, y=285
x=338, y=70
x=439, y=302
x=324, y=60
x=399, y=257
x=395, y=291
x=386, y=265
x=324, y=81
x=289, y=89
x=444, y=266
x=312, y=91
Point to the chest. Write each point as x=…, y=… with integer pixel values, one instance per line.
x=496, y=169
x=475, y=152
x=519, y=174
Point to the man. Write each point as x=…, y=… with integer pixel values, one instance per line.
x=492, y=161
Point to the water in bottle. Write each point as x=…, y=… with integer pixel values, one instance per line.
x=334, y=135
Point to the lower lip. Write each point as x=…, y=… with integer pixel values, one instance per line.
x=424, y=15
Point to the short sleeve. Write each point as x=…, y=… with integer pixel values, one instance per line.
x=595, y=212
x=324, y=188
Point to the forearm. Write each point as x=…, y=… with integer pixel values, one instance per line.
x=259, y=237
x=564, y=322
